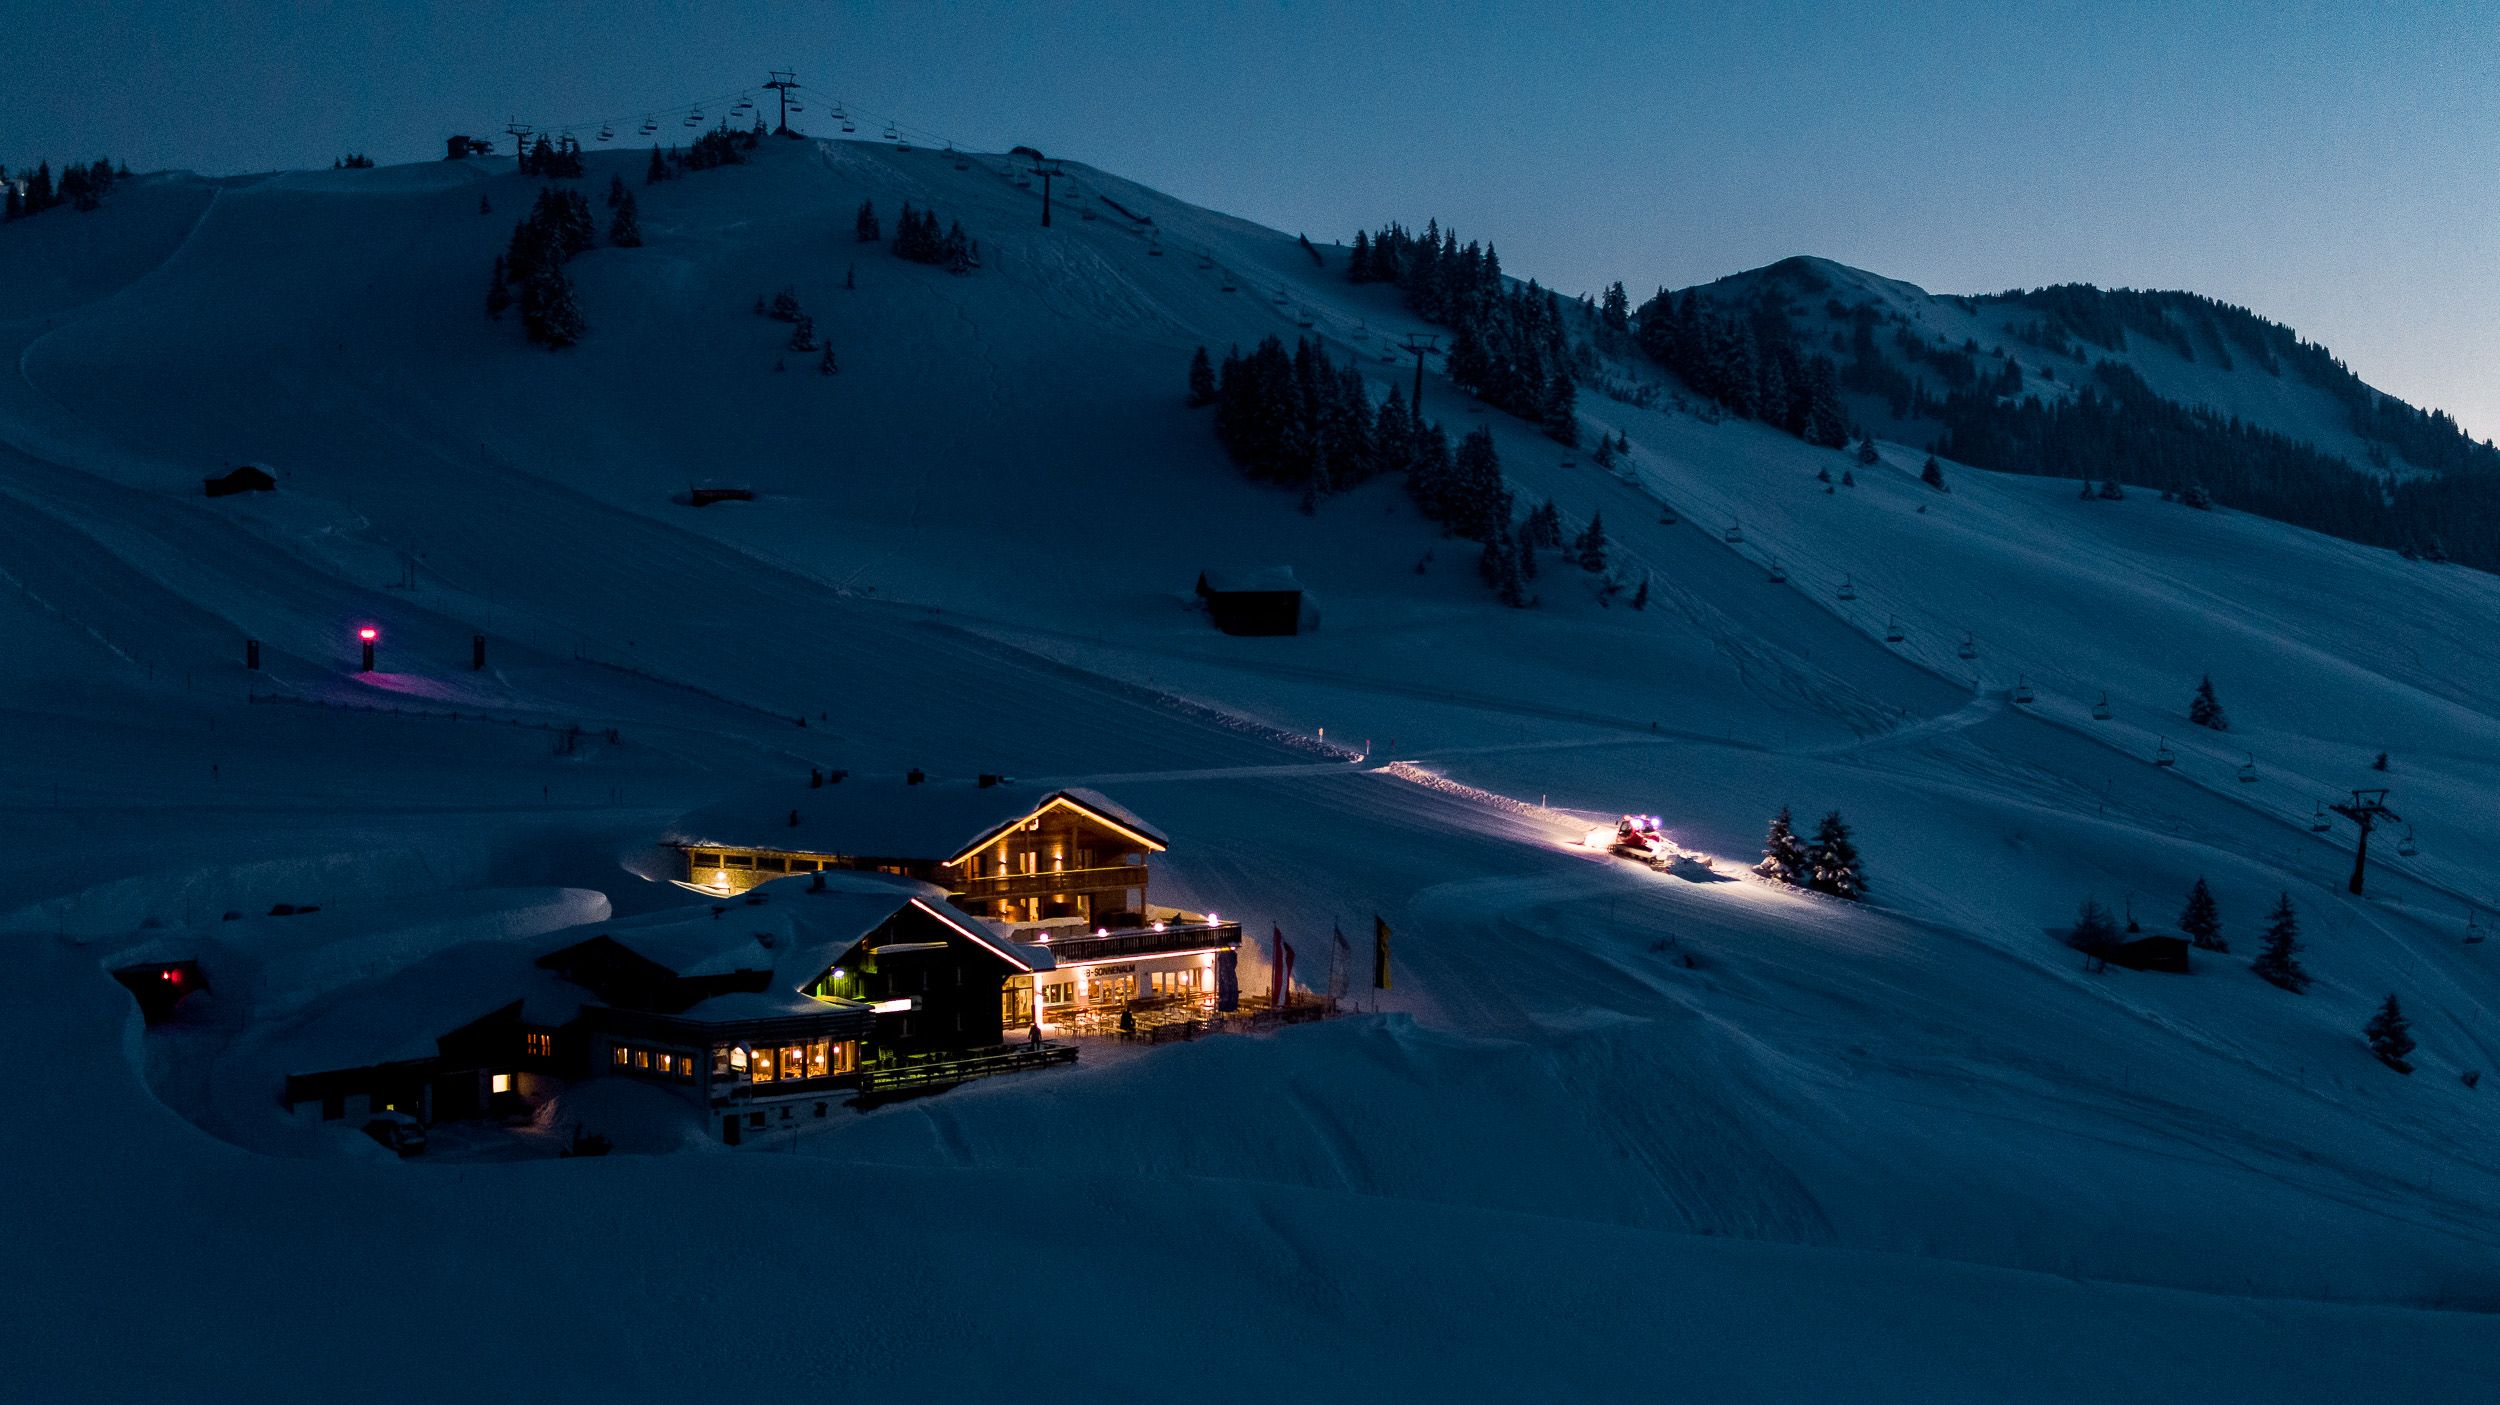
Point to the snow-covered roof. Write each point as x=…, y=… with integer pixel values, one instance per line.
x=766, y=1005
x=1238, y=580
x=400, y=1016
x=795, y=927
x=936, y=820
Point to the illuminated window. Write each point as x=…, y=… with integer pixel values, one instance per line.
x=685, y=1068
x=540, y=1046
x=794, y=1061
x=819, y=1058
x=503, y=1083
x=846, y=1056
x=667, y=1063
x=642, y=1058
x=761, y=1066
x=620, y=1055
x=721, y=1056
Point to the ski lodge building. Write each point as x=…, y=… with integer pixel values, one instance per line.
x=1065, y=870
x=881, y=940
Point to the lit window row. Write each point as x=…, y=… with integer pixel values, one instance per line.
x=786, y=1063
x=659, y=1063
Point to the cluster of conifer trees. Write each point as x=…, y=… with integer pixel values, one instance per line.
x=918, y=238
x=531, y=270
x=1507, y=344
x=80, y=187
x=559, y=159
x=1828, y=863
x=717, y=147
x=1752, y=364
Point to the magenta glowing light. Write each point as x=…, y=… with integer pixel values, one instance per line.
x=368, y=634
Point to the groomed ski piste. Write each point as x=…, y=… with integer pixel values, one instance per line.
x=1611, y=1132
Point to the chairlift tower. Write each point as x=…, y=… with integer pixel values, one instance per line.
x=1048, y=171
x=519, y=131
x=783, y=83
x=2365, y=810
x=1416, y=345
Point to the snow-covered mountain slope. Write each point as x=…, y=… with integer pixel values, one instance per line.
x=1644, y=1120
x=2191, y=350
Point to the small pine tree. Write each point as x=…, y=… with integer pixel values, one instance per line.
x=2278, y=962
x=830, y=365
x=1201, y=379
x=616, y=191
x=1933, y=475
x=1866, y=450
x=1640, y=597
x=624, y=228
x=1848, y=478
x=1527, y=548
x=2381, y=763
x=2095, y=931
x=2390, y=1034
x=1784, y=856
x=2201, y=920
x=485, y=206
x=1590, y=548
x=803, y=334
x=1834, y=860
x=2205, y=710
x=498, y=293
x=1604, y=457
x=657, y=171
x=850, y=278
x=786, y=306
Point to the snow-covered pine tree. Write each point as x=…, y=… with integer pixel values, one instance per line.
x=785, y=306
x=624, y=228
x=1590, y=548
x=1615, y=309
x=1834, y=863
x=2205, y=710
x=2201, y=919
x=657, y=171
x=616, y=191
x=1201, y=379
x=803, y=334
x=1933, y=475
x=830, y=365
x=1526, y=548
x=2095, y=931
x=1604, y=457
x=1866, y=450
x=1559, y=418
x=1784, y=855
x=2390, y=1035
x=1848, y=478
x=2278, y=961
x=498, y=293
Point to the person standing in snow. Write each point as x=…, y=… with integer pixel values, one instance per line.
x=1033, y=1036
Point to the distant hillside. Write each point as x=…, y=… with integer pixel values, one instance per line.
x=2169, y=390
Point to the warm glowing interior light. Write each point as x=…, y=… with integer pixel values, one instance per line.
x=503, y=1082
x=720, y=878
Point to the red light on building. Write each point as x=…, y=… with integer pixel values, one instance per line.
x=368, y=634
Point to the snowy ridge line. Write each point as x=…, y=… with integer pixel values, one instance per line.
x=1157, y=698
x=438, y=714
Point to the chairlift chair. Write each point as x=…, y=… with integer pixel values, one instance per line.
x=1304, y=320
x=1230, y=286
x=2022, y=689
x=694, y=119
x=2100, y=709
x=606, y=132
x=848, y=126
x=2162, y=755
x=2474, y=933
x=2319, y=823
x=1734, y=535
x=891, y=134
x=1892, y=632
x=1667, y=517
x=1848, y=588
x=650, y=125
x=1779, y=573
x=1969, y=648
x=2248, y=770
x=2406, y=846
x=797, y=106
x=1389, y=356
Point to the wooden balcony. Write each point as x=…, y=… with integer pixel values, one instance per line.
x=1145, y=941
x=1048, y=882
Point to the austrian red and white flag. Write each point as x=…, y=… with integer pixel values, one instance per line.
x=1280, y=969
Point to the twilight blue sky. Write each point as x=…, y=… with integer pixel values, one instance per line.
x=2329, y=166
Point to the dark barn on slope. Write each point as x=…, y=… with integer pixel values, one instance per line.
x=1268, y=601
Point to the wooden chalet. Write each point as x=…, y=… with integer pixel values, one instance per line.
x=1064, y=870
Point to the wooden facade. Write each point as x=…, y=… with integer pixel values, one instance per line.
x=1060, y=859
